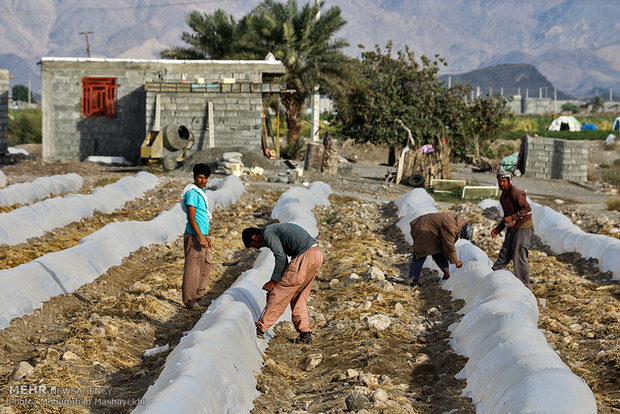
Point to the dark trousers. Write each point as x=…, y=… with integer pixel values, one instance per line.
x=515, y=248
x=416, y=265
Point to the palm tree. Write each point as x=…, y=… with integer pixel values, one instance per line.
x=295, y=36
x=215, y=36
x=306, y=47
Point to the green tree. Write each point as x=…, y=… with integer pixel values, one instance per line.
x=597, y=103
x=488, y=116
x=24, y=126
x=394, y=88
x=214, y=36
x=570, y=107
x=303, y=43
x=401, y=87
x=307, y=48
x=20, y=93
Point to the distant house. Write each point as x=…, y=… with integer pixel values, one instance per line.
x=107, y=107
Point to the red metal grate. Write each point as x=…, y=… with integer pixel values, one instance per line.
x=98, y=96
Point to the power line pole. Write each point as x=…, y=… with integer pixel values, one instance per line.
x=87, y=44
x=314, y=97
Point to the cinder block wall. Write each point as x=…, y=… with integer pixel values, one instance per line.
x=557, y=158
x=69, y=135
x=236, y=116
x=4, y=111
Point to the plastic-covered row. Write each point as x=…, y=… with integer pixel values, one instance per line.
x=34, y=220
x=41, y=187
x=511, y=368
x=198, y=376
x=562, y=236
x=295, y=205
x=27, y=286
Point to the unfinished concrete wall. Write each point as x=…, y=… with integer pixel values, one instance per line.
x=4, y=111
x=68, y=134
x=515, y=104
x=236, y=116
x=556, y=158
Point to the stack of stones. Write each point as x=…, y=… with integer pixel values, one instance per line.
x=557, y=158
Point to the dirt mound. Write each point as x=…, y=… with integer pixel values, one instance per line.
x=209, y=156
x=363, y=152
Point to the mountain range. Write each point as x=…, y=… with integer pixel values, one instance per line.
x=514, y=79
x=574, y=44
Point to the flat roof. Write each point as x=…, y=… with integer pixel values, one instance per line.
x=167, y=61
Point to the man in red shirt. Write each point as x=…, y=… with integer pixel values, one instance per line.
x=520, y=228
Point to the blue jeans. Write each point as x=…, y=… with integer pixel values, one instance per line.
x=416, y=265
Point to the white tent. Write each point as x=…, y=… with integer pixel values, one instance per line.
x=571, y=124
x=616, y=126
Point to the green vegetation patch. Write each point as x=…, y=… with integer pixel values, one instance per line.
x=25, y=126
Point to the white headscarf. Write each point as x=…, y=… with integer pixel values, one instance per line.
x=202, y=193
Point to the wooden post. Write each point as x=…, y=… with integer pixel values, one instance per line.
x=211, y=125
x=411, y=140
x=278, y=130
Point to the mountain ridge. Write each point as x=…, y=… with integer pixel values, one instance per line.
x=572, y=44
x=509, y=79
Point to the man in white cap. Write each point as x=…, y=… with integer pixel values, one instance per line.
x=520, y=228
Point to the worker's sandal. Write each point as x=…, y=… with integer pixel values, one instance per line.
x=304, y=337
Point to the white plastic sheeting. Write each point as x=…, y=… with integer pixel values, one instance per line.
x=295, y=205
x=212, y=369
x=34, y=220
x=562, y=236
x=24, y=193
x=27, y=286
x=22, y=151
x=511, y=368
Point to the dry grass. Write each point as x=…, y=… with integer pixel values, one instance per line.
x=613, y=203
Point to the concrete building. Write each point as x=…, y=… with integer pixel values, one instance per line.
x=4, y=111
x=106, y=107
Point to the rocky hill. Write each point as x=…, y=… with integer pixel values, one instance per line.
x=573, y=44
x=509, y=79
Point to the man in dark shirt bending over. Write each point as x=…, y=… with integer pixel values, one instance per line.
x=520, y=228
x=290, y=282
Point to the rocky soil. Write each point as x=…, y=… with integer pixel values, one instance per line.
x=379, y=345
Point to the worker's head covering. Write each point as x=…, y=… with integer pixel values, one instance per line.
x=504, y=174
x=467, y=232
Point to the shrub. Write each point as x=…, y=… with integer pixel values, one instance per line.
x=611, y=175
x=613, y=203
x=25, y=126
x=504, y=148
x=291, y=152
x=571, y=107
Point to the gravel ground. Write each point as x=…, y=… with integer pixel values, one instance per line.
x=97, y=336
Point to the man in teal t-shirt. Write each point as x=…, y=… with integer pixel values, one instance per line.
x=196, y=242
